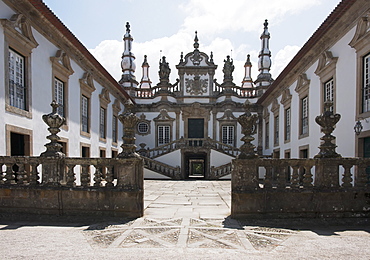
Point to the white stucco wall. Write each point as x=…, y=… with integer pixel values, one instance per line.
x=345, y=96
x=41, y=79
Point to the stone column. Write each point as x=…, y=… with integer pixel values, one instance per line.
x=130, y=168
x=327, y=167
x=244, y=172
x=53, y=166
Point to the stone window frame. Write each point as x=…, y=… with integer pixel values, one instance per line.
x=286, y=152
x=65, y=141
x=326, y=71
x=228, y=119
x=360, y=42
x=116, y=108
x=19, y=130
x=142, y=119
x=286, y=101
x=224, y=124
x=62, y=70
x=275, y=109
x=86, y=145
x=301, y=148
x=86, y=89
x=195, y=110
x=18, y=37
x=302, y=88
x=104, y=98
x=163, y=119
x=266, y=117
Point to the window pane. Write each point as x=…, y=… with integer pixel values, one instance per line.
x=84, y=114
x=228, y=134
x=163, y=134
x=365, y=87
x=304, y=116
x=287, y=124
x=114, y=129
x=102, y=123
x=59, y=95
x=17, y=89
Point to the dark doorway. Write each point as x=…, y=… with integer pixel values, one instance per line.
x=196, y=131
x=196, y=166
x=17, y=143
x=367, y=155
x=196, y=128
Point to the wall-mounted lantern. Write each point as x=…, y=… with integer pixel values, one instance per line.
x=358, y=127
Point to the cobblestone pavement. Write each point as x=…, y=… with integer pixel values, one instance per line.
x=185, y=220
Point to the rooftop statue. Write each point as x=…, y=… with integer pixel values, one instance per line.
x=164, y=69
x=228, y=69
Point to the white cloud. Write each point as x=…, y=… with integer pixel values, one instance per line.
x=216, y=16
x=209, y=17
x=282, y=58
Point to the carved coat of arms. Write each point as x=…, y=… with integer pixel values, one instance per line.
x=196, y=86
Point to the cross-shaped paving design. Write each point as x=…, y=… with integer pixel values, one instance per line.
x=186, y=214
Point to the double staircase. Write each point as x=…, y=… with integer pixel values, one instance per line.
x=149, y=156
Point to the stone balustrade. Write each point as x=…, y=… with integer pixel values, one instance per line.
x=189, y=143
x=325, y=186
x=220, y=171
x=53, y=184
x=298, y=174
x=162, y=168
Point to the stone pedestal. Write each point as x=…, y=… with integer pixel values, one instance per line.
x=130, y=174
x=327, y=173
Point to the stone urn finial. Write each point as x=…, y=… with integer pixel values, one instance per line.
x=327, y=120
x=54, y=121
x=129, y=121
x=248, y=121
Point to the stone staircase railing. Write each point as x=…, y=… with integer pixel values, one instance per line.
x=162, y=168
x=220, y=171
x=187, y=143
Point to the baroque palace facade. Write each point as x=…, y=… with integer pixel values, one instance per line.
x=188, y=128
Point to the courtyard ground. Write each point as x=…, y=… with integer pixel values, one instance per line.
x=185, y=220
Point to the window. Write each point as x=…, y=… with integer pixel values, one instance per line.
x=287, y=124
x=18, y=42
x=84, y=114
x=17, y=88
x=59, y=95
x=366, y=85
x=329, y=92
x=142, y=127
x=163, y=134
x=304, y=116
x=228, y=134
x=114, y=129
x=276, y=130
x=267, y=135
x=102, y=128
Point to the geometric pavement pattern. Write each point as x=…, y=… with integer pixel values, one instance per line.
x=186, y=233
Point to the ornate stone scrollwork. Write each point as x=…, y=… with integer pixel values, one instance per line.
x=249, y=128
x=327, y=121
x=196, y=86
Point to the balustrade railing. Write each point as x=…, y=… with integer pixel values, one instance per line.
x=238, y=91
x=189, y=142
x=151, y=92
x=72, y=172
x=220, y=171
x=162, y=168
x=293, y=174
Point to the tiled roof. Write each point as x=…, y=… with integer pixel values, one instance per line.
x=54, y=20
x=338, y=12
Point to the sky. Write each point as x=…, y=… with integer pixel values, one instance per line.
x=167, y=28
